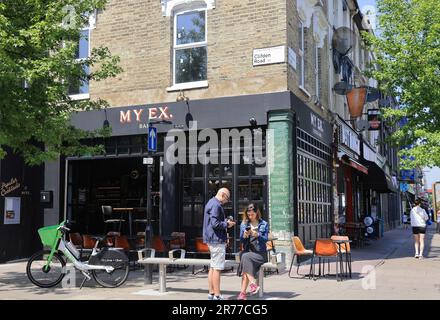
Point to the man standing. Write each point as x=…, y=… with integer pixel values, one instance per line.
x=215, y=236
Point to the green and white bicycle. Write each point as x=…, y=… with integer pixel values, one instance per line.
x=47, y=268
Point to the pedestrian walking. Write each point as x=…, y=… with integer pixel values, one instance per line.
x=405, y=220
x=418, y=224
x=215, y=236
x=254, y=232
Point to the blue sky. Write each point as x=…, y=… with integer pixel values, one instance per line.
x=366, y=2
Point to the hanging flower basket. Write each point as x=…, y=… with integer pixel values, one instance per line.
x=356, y=98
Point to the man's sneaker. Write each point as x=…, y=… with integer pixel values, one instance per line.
x=211, y=296
x=242, y=296
x=254, y=288
x=218, y=298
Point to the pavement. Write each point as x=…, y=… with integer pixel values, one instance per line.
x=384, y=269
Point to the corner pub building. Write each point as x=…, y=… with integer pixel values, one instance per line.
x=180, y=191
x=215, y=69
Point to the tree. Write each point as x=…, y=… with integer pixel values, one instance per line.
x=407, y=67
x=38, y=48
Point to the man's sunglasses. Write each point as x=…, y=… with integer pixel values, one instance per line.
x=250, y=209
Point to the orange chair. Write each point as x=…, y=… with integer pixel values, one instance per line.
x=76, y=240
x=298, y=251
x=159, y=245
x=326, y=249
x=345, y=249
x=179, y=243
x=122, y=242
x=88, y=241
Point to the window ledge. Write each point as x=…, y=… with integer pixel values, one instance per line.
x=188, y=85
x=82, y=96
x=305, y=91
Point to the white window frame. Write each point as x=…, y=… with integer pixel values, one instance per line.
x=302, y=76
x=317, y=87
x=193, y=84
x=84, y=96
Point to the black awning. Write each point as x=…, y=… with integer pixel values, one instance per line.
x=377, y=179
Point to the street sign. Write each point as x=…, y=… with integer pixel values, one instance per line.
x=403, y=186
x=148, y=161
x=152, y=139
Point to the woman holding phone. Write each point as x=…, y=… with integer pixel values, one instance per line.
x=254, y=232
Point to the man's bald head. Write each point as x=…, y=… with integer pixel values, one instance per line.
x=223, y=195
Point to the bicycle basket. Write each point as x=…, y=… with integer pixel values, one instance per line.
x=49, y=235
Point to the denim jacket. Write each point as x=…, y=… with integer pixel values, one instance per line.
x=214, y=223
x=263, y=234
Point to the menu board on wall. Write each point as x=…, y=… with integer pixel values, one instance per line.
x=12, y=210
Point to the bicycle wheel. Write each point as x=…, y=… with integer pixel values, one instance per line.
x=117, y=277
x=45, y=278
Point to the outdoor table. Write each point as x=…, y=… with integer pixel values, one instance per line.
x=340, y=243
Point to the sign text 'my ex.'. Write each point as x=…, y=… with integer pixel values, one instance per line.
x=139, y=115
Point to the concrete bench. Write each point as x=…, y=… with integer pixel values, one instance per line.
x=148, y=262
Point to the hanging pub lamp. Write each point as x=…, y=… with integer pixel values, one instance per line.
x=356, y=98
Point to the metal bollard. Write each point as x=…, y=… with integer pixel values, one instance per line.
x=148, y=274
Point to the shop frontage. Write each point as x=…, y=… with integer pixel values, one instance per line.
x=21, y=207
x=314, y=176
x=350, y=174
x=293, y=192
x=179, y=190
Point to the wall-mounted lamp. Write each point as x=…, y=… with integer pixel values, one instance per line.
x=356, y=98
x=106, y=123
x=181, y=97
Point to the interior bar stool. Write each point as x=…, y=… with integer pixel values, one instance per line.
x=107, y=213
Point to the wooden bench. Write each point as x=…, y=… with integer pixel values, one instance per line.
x=148, y=262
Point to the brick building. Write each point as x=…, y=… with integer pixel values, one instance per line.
x=252, y=64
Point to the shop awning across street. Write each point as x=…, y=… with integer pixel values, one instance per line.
x=354, y=164
x=377, y=179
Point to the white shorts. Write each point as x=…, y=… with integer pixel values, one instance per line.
x=218, y=255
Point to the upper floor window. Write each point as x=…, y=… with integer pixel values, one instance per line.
x=80, y=87
x=190, y=46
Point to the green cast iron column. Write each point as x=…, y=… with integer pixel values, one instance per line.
x=281, y=175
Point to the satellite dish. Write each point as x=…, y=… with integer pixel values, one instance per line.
x=343, y=40
x=342, y=88
x=361, y=125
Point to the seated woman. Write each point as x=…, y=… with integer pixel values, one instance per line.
x=254, y=233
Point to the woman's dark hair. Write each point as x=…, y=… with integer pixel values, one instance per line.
x=245, y=212
x=418, y=202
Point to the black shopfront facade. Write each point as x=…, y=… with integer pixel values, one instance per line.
x=20, y=207
x=314, y=217
x=180, y=191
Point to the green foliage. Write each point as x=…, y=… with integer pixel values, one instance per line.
x=38, y=45
x=408, y=67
